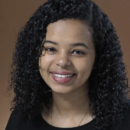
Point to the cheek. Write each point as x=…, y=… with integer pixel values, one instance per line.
x=45, y=62
x=84, y=67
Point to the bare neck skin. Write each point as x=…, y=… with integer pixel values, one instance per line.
x=69, y=109
x=72, y=104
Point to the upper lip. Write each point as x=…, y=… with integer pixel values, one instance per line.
x=62, y=72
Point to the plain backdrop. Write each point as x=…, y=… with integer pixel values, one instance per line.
x=15, y=13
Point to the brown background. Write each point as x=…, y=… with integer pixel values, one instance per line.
x=15, y=13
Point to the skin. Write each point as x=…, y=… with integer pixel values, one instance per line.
x=70, y=100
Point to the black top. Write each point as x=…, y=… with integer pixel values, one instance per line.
x=17, y=122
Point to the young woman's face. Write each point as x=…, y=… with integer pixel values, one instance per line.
x=68, y=58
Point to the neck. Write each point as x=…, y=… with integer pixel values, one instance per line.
x=72, y=104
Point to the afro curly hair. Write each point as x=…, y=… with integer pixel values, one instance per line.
x=108, y=82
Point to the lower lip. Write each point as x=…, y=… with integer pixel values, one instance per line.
x=62, y=80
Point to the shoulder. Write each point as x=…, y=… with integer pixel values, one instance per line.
x=18, y=121
x=125, y=123
x=127, y=115
x=16, y=118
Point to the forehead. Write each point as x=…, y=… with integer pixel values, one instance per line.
x=70, y=29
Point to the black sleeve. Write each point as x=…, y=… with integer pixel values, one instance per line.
x=13, y=122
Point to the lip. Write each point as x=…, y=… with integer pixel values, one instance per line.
x=62, y=72
x=62, y=80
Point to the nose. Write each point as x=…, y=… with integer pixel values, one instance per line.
x=62, y=60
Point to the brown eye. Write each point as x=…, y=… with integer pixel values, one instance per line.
x=78, y=52
x=50, y=49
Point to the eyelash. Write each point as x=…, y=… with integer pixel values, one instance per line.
x=81, y=52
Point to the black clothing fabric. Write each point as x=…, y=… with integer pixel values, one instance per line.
x=17, y=122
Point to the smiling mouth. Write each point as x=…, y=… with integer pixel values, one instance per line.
x=62, y=78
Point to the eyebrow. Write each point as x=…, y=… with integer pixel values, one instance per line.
x=72, y=44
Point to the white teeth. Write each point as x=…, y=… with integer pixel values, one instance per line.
x=62, y=76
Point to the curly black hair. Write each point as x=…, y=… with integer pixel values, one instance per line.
x=108, y=84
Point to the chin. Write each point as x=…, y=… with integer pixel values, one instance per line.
x=61, y=90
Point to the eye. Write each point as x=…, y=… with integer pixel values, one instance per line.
x=51, y=49
x=78, y=52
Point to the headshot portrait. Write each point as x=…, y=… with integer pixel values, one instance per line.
x=68, y=71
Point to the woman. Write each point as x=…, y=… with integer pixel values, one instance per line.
x=68, y=71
